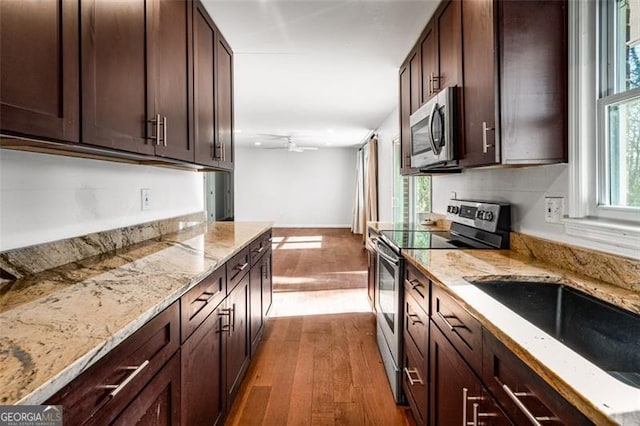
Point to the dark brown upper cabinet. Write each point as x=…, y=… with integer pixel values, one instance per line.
x=224, y=105
x=39, y=95
x=135, y=76
x=429, y=61
x=405, y=112
x=515, y=82
x=213, y=93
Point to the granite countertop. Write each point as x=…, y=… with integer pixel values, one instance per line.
x=598, y=395
x=57, y=323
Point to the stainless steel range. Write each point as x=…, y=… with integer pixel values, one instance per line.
x=474, y=225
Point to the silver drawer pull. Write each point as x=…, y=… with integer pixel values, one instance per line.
x=242, y=267
x=414, y=321
x=514, y=396
x=226, y=312
x=118, y=388
x=409, y=373
x=415, y=284
x=465, y=399
x=206, y=299
x=486, y=145
x=259, y=250
x=451, y=326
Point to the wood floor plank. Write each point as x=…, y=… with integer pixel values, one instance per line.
x=258, y=397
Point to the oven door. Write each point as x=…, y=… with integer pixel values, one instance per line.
x=389, y=306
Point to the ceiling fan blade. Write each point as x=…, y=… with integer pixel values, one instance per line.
x=273, y=136
x=308, y=148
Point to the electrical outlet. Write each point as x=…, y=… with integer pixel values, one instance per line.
x=145, y=196
x=453, y=195
x=553, y=209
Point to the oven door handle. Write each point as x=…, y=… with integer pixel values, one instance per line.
x=388, y=258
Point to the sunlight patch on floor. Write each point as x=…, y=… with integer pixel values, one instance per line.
x=297, y=242
x=322, y=302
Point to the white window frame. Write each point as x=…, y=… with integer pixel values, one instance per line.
x=614, y=226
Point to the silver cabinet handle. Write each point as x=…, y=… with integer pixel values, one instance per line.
x=413, y=381
x=164, y=131
x=415, y=284
x=485, y=129
x=242, y=267
x=118, y=388
x=206, y=299
x=416, y=321
x=157, y=123
x=446, y=321
x=233, y=317
x=260, y=250
x=226, y=312
x=224, y=152
x=465, y=399
x=434, y=79
x=514, y=396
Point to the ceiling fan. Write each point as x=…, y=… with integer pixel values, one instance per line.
x=289, y=144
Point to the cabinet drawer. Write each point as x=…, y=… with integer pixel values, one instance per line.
x=416, y=326
x=201, y=300
x=520, y=390
x=260, y=246
x=418, y=286
x=462, y=330
x=414, y=383
x=109, y=386
x=237, y=268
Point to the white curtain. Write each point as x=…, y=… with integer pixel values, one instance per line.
x=357, y=222
x=366, y=203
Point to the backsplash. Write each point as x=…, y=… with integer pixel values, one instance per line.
x=18, y=263
x=619, y=271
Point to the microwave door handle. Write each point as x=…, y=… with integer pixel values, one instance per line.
x=430, y=125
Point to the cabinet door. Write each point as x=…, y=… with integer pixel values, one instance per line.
x=415, y=80
x=267, y=283
x=204, y=49
x=236, y=343
x=224, y=105
x=449, y=46
x=479, y=64
x=39, y=95
x=159, y=402
x=255, y=311
x=429, y=58
x=115, y=37
x=202, y=396
x=171, y=77
x=371, y=278
x=456, y=395
x=405, y=128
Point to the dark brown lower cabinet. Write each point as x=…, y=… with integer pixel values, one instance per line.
x=255, y=311
x=267, y=283
x=202, y=397
x=510, y=380
x=236, y=337
x=371, y=277
x=159, y=402
x=456, y=394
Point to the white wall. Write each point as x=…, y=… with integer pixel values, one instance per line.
x=313, y=188
x=46, y=197
x=525, y=188
x=387, y=132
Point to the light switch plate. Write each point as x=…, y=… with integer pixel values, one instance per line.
x=553, y=209
x=145, y=194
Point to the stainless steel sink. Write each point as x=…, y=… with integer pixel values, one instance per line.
x=604, y=334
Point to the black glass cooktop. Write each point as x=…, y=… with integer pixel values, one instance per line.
x=405, y=239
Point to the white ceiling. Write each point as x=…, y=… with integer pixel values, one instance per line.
x=323, y=72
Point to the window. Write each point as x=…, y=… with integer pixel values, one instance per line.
x=619, y=105
x=411, y=194
x=604, y=126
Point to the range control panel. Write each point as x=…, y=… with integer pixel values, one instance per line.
x=483, y=215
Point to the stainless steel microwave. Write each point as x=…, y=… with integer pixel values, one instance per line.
x=434, y=135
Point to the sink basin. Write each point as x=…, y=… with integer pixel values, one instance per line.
x=604, y=334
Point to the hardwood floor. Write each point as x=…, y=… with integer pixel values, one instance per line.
x=318, y=362
x=318, y=259
x=322, y=368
